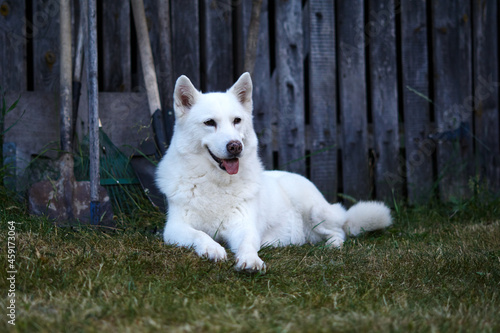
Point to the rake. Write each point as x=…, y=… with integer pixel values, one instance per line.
x=116, y=173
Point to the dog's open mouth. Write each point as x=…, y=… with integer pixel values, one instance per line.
x=231, y=166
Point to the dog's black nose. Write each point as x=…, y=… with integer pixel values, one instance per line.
x=234, y=147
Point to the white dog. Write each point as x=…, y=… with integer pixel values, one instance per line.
x=217, y=189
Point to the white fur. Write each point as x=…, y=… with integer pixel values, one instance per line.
x=367, y=216
x=253, y=207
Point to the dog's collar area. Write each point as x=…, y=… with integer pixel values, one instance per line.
x=229, y=165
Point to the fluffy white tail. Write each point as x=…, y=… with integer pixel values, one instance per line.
x=367, y=216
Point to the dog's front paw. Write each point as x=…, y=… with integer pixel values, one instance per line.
x=335, y=242
x=213, y=251
x=250, y=263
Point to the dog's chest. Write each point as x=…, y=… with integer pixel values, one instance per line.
x=213, y=207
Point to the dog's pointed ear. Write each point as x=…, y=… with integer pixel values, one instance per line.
x=243, y=90
x=185, y=96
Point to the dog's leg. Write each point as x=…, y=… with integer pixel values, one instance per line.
x=328, y=221
x=245, y=243
x=182, y=234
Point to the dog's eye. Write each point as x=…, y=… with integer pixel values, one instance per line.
x=237, y=121
x=210, y=122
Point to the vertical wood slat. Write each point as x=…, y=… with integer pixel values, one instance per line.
x=261, y=81
x=290, y=70
x=151, y=11
x=381, y=34
x=46, y=45
x=415, y=75
x=216, y=43
x=274, y=110
x=486, y=102
x=13, y=35
x=185, y=40
x=116, y=56
x=352, y=99
x=452, y=91
x=165, y=70
x=323, y=96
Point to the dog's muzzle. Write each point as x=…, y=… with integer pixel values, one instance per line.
x=231, y=165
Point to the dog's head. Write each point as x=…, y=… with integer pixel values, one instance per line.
x=215, y=125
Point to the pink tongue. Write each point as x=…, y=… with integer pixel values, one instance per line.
x=231, y=166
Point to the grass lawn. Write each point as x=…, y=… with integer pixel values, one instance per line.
x=437, y=269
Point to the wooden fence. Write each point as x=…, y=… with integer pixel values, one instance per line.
x=369, y=98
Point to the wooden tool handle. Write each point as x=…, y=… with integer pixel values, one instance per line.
x=146, y=54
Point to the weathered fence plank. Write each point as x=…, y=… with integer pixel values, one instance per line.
x=13, y=38
x=216, y=45
x=151, y=13
x=352, y=99
x=186, y=40
x=164, y=67
x=262, y=107
x=381, y=34
x=290, y=70
x=323, y=97
x=116, y=56
x=46, y=45
x=486, y=102
x=415, y=93
x=453, y=96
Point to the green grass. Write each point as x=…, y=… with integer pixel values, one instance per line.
x=436, y=269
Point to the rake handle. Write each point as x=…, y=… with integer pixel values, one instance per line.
x=65, y=83
x=93, y=97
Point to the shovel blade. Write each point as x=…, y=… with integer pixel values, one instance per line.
x=53, y=200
